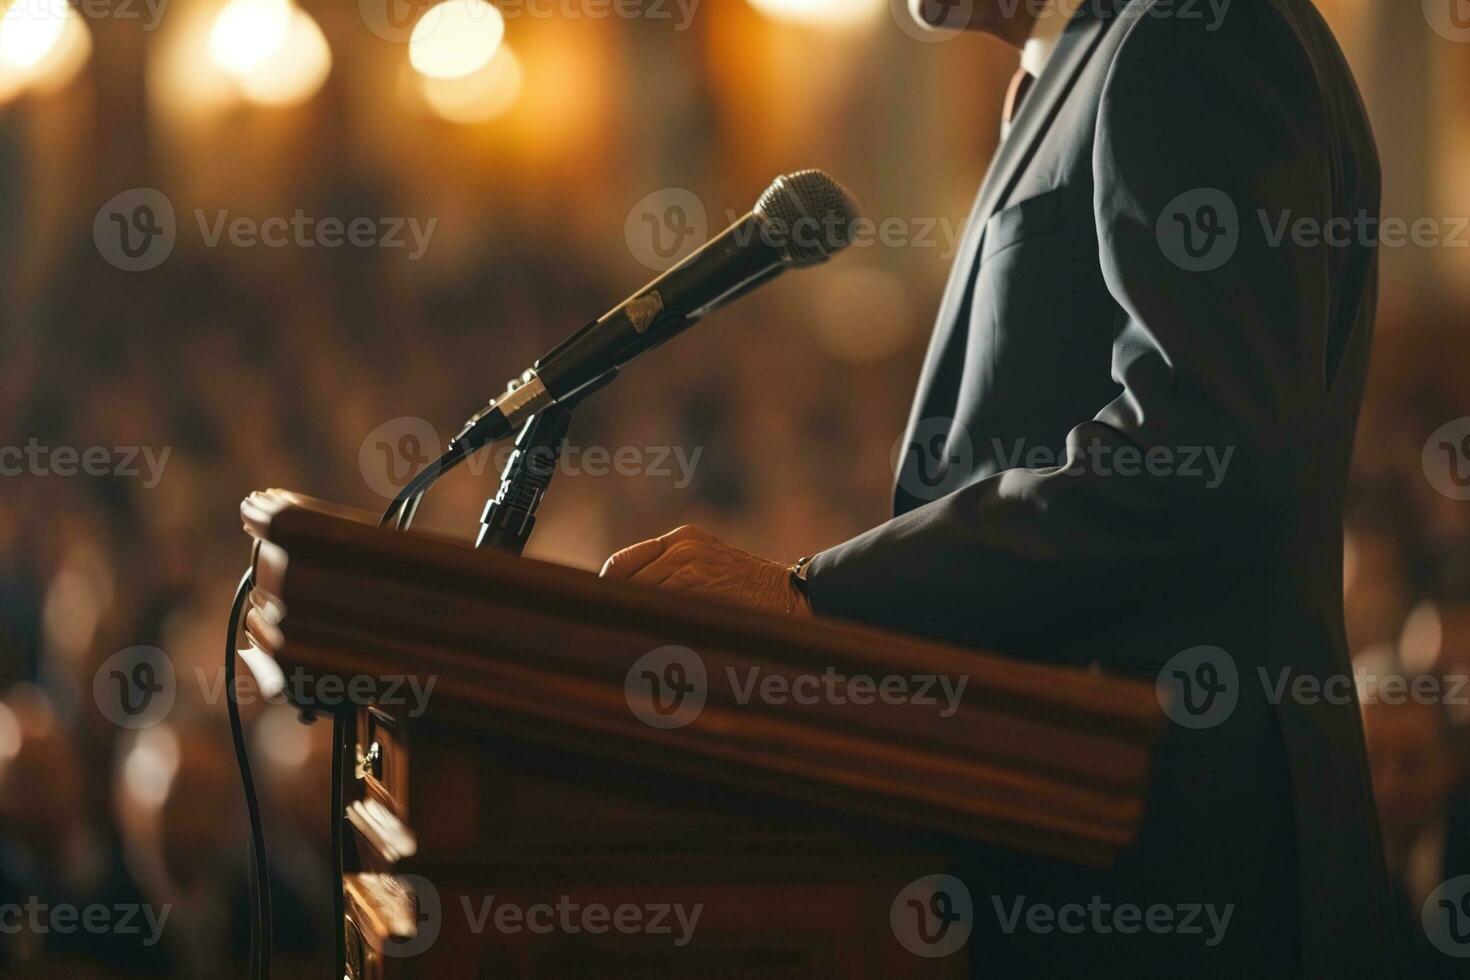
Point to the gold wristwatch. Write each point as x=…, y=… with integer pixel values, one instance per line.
x=798, y=570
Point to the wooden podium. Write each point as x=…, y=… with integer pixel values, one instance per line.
x=525, y=820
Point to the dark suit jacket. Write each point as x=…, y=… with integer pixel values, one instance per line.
x=1108, y=308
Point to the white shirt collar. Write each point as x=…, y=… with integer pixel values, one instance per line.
x=1046, y=33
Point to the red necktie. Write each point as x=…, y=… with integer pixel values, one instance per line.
x=1021, y=83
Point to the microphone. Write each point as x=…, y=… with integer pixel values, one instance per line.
x=801, y=220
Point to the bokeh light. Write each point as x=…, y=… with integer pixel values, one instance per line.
x=456, y=38
x=296, y=70
x=30, y=30
x=10, y=736
x=43, y=44
x=249, y=33
x=151, y=764
x=1422, y=638
x=825, y=12
x=480, y=96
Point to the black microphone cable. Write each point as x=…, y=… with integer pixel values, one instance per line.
x=259, y=871
x=404, y=506
x=401, y=512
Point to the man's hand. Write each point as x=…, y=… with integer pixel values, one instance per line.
x=690, y=559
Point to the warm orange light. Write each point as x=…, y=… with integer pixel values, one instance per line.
x=151, y=764
x=478, y=97
x=456, y=38
x=183, y=76
x=43, y=44
x=827, y=12
x=861, y=314
x=296, y=70
x=268, y=52
x=248, y=33
x=30, y=30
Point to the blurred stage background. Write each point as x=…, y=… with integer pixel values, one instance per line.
x=548, y=179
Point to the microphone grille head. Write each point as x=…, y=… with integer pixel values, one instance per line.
x=808, y=216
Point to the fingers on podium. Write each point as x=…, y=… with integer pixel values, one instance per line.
x=631, y=560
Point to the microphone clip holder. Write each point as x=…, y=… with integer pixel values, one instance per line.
x=510, y=516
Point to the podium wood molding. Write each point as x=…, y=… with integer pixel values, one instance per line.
x=1049, y=760
x=530, y=766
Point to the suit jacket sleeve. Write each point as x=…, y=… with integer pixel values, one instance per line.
x=1234, y=358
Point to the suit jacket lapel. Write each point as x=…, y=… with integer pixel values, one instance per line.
x=1031, y=124
x=1037, y=112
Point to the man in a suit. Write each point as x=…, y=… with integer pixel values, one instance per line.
x=1128, y=448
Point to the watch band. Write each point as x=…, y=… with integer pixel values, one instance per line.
x=798, y=570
